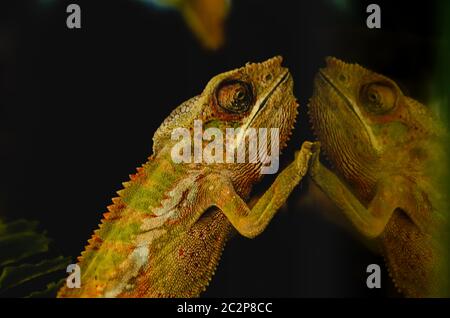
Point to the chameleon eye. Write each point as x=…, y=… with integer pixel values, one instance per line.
x=378, y=98
x=235, y=96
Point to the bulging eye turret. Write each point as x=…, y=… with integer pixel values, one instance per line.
x=378, y=98
x=235, y=96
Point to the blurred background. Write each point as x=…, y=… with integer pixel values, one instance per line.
x=78, y=109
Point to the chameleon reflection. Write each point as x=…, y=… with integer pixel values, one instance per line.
x=387, y=154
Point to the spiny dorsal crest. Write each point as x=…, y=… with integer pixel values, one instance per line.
x=177, y=118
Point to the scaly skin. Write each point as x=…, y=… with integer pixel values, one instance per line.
x=164, y=234
x=387, y=156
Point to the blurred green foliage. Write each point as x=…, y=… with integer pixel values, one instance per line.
x=26, y=267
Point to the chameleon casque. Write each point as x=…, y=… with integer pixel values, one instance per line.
x=386, y=153
x=165, y=232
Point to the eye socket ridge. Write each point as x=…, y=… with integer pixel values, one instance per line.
x=235, y=96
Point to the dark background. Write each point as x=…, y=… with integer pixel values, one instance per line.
x=78, y=109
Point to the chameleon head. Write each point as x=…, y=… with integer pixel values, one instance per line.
x=255, y=95
x=360, y=116
x=258, y=95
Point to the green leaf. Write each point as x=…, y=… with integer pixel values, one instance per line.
x=13, y=276
x=22, y=268
x=17, y=226
x=49, y=292
x=18, y=246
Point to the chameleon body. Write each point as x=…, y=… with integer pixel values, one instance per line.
x=165, y=232
x=386, y=154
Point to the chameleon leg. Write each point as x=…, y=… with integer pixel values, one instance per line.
x=251, y=222
x=370, y=220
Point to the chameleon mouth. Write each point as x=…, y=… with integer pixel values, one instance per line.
x=325, y=79
x=283, y=78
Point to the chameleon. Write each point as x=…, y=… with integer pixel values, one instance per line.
x=385, y=155
x=165, y=232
